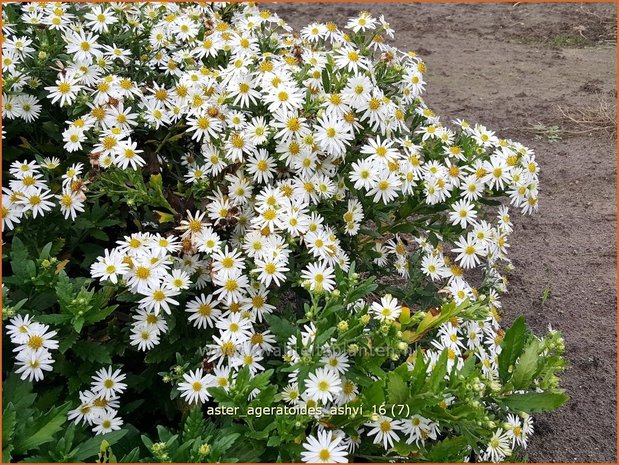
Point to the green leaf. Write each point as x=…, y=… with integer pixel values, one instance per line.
x=131, y=457
x=92, y=446
x=526, y=367
x=511, y=347
x=8, y=430
x=374, y=395
x=43, y=429
x=67, y=341
x=324, y=336
x=53, y=318
x=194, y=425
x=325, y=80
x=100, y=315
x=224, y=443
x=45, y=251
x=280, y=327
x=397, y=390
x=448, y=450
x=532, y=402
x=439, y=372
x=20, y=265
x=92, y=352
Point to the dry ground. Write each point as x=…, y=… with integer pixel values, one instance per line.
x=510, y=66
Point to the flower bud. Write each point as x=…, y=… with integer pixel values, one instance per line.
x=204, y=449
x=342, y=326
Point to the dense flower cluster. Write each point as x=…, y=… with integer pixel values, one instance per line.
x=283, y=161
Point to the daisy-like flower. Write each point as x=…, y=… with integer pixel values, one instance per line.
x=462, y=214
x=178, y=280
x=204, y=127
x=37, y=201
x=194, y=387
x=285, y=97
x=434, y=266
x=248, y=356
x=271, y=268
x=107, y=384
x=149, y=318
x=228, y=262
x=32, y=364
x=127, y=154
x=326, y=447
x=38, y=339
x=28, y=107
x=235, y=328
x=83, y=46
x=379, y=150
x=333, y=136
x=107, y=422
x=323, y=385
x=145, y=337
x=337, y=362
x=384, y=431
x=515, y=431
x=159, y=297
x=361, y=23
x=291, y=394
x=85, y=412
x=351, y=59
x=498, y=446
x=419, y=429
x=386, y=187
x=110, y=266
x=319, y=276
x=231, y=287
x=387, y=309
x=100, y=19
x=18, y=328
x=469, y=250
x=207, y=240
x=70, y=204
x=65, y=90
x=261, y=166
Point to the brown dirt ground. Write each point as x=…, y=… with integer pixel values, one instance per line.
x=509, y=66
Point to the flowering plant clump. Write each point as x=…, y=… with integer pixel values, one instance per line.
x=226, y=241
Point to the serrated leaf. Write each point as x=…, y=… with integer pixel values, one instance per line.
x=194, y=425
x=43, y=429
x=280, y=327
x=397, y=390
x=531, y=402
x=448, y=450
x=67, y=341
x=8, y=424
x=91, y=351
x=526, y=367
x=374, y=395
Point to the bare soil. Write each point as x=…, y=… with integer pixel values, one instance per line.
x=510, y=66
